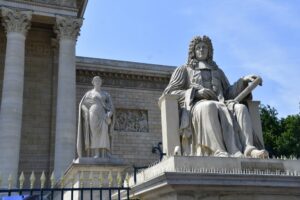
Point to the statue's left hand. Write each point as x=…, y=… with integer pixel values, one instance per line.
x=108, y=117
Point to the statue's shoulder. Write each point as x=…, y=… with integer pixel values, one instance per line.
x=181, y=69
x=220, y=72
x=87, y=93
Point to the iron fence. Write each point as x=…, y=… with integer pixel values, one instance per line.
x=103, y=193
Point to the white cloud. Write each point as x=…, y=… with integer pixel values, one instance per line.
x=251, y=37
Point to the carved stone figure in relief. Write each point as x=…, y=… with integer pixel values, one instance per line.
x=95, y=122
x=211, y=122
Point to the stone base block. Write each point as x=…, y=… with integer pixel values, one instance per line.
x=211, y=178
x=93, y=173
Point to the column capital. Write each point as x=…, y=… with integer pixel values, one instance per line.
x=67, y=27
x=15, y=20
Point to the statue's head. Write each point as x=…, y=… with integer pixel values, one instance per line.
x=197, y=43
x=97, y=81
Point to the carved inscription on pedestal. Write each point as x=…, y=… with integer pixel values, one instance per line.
x=131, y=120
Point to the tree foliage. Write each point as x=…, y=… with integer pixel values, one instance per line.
x=281, y=136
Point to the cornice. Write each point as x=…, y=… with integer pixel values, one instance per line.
x=123, y=79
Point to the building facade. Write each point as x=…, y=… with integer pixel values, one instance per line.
x=42, y=82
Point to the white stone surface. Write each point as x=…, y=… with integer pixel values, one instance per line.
x=213, y=121
x=16, y=25
x=65, y=136
x=197, y=177
x=170, y=123
x=253, y=107
x=95, y=174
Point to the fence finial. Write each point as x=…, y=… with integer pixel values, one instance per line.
x=110, y=179
x=22, y=180
x=43, y=180
x=100, y=179
x=10, y=181
x=62, y=180
x=52, y=179
x=127, y=179
x=32, y=180
x=119, y=179
x=91, y=179
x=72, y=180
x=81, y=179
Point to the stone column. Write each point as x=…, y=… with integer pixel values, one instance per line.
x=16, y=25
x=67, y=30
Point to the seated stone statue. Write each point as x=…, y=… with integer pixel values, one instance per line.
x=95, y=122
x=211, y=122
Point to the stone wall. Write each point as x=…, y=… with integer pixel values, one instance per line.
x=135, y=89
x=133, y=146
x=35, y=152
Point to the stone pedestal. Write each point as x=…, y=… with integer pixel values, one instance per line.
x=92, y=173
x=211, y=178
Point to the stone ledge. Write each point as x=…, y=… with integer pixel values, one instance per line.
x=214, y=178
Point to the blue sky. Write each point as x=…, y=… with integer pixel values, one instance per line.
x=249, y=37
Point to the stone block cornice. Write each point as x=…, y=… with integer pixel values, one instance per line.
x=123, y=79
x=15, y=20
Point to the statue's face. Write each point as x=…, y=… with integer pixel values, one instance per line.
x=201, y=51
x=97, y=82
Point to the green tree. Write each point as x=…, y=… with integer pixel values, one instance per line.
x=288, y=142
x=281, y=136
x=271, y=128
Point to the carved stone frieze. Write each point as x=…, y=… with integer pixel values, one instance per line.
x=123, y=80
x=67, y=27
x=131, y=120
x=16, y=21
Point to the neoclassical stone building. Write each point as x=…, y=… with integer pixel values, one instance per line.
x=42, y=81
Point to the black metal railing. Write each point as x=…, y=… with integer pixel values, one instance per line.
x=103, y=193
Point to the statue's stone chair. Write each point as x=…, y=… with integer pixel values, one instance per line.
x=169, y=107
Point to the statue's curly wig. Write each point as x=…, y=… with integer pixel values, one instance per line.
x=192, y=61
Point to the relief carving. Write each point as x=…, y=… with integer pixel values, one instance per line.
x=130, y=120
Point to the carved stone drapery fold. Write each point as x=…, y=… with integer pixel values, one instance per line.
x=16, y=21
x=67, y=27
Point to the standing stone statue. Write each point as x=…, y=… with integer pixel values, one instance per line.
x=95, y=122
x=211, y=122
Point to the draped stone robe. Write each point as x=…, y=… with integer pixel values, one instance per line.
x=94, y=124
x=210, y=123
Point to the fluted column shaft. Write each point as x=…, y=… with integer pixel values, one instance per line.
x=67, y=30
x=16, y=25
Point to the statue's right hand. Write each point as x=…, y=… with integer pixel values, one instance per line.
x=205, y=93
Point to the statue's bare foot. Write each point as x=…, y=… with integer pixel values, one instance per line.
x=259, y=154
